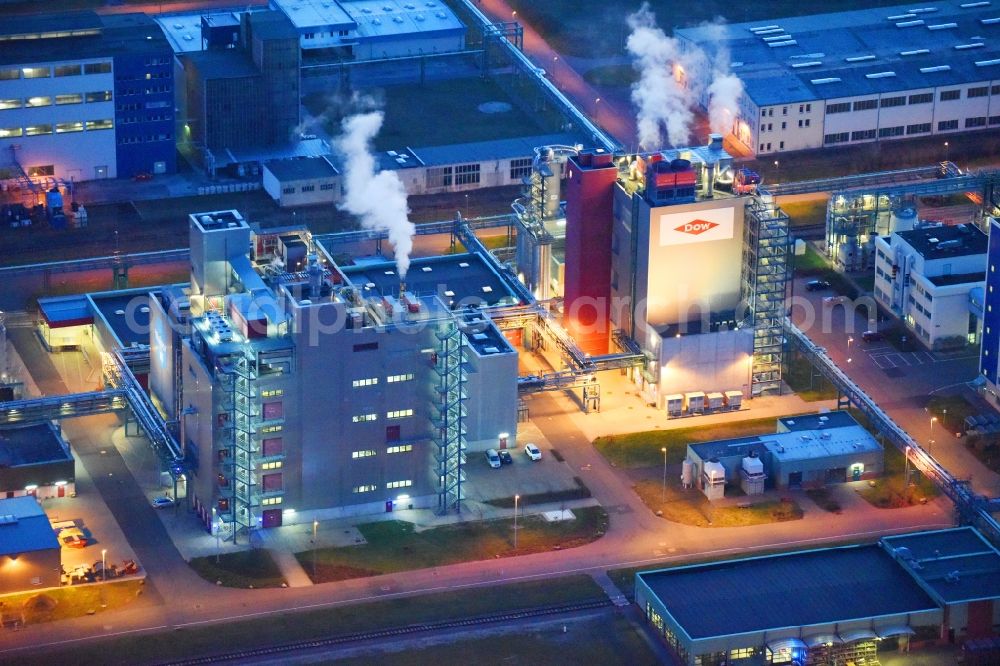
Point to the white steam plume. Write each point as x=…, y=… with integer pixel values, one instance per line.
x=661, y=101
x=378, y=198
x=672, y=80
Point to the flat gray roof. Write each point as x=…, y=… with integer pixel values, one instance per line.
x=837, y=419
x=127, y=314
x=31, y=445
x=946, y=241
x=862, y=52
x=300, y=168
x=779, y=591
x=954, y=565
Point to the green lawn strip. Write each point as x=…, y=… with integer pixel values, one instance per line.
x=394, y=545
x=890, y=491
x=72, y=601
x=248, y=568
x=805, y=380
x=624, y=577
x=643, y=449
x=292, y=626
x=592, y=640
x=691, y=507
x=580, y=492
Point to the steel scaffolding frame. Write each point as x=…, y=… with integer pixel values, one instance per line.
x=449, y=435
x=238, y=380
x=765, y=280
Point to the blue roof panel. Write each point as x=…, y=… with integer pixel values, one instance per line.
x=24, y=527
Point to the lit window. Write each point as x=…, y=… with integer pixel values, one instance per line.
x=399, y=414
x=371, y=381
x=399, y=378
x=38, y=101
x=13, y=103
x=10, y=131
x=271, y=501
x=367, y=453
x=100, y=124
x=271, y=428
x=364, y=489
x=405, y=448
x=271, y=393
x=62, y=128
x=75, y=98
x=362, y=418
x=399, y=484
x=271, y=465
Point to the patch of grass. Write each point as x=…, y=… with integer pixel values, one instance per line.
x=865, y=282
x=822, y=499
x=288, y=627
x=810, y=263
x=248, y=568
x=397, y=546
x=951, y=411
x=691, y=507
x=805, y=380
x=612, y=76
x=72, y=601
x=580, y=492
x=643, y=449
x=593, y=640
x=890, y=490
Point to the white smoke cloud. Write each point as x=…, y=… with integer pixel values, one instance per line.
x=377, y=197
x=672, y=80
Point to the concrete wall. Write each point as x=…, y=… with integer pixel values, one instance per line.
x=707, y=362
x=492, y=405
x=814, y=471
x=37, y=569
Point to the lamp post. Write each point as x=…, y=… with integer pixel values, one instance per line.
x=945, y=151
x=517, y=498
x=315, y=526
x=104, y=564
x=906, y=475
x=777, y=171
x=215, y=528
x=663, y=497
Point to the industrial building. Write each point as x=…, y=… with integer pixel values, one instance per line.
x=305, y=390
x=301, y=181
x=862, y=76
x=827, y=606
x=989, y=349
x=84, y=97
x=373, y=29
x=806, y=451
x=30, y=557
x=35, y=460
x=650, y=248
x=932, y=278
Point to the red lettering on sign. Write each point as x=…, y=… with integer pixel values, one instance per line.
x=696, y=227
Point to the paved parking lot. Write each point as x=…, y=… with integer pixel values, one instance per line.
x=887, y=358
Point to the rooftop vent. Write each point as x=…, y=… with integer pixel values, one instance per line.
x=909, y=24
x=902, y=17
x=426, y=269
x=790, y=42
x=987, y=63
x=491, y=350
x=390, y=272
x=880, y=75
x=935, y=68
x=811, y=63
x=861, y=58
x=924, y=10
x=971, y=45
x=942, y=26
x=990, y=21
x=778, y=38
x=914, y=52
x=829, y=79
x=973, y=5
x=769, y=31
x=8, y=519
x=463, y=264
x=933, y=240
x=487, y=289
x=758, y=28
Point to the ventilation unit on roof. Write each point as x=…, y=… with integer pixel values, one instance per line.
x=973, y=5
x=790, y=42
x=859, y=58
x=777, y=38
x=880, y=75
x=758, y=28
x=909, y=24
x=942, y=26
x=924, y=10
x=987, y=63
x=769, y=31
x=829, y=79
x=972, y=45
x=902, y=17
x=914, y=52
x=990, y=21
x=811, y=63
x=936, y=68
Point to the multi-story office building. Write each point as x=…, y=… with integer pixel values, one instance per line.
x=930, y=277
x=84, y=96
x=306, y=390
x=861, y=76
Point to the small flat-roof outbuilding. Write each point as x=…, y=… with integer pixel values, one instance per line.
x=29, y=550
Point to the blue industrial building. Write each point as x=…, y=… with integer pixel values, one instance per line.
x=84, y=97
x=990, y=348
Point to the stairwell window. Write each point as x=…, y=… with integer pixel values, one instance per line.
x=403, y=448
x=399, y=484
x=392, y=379
x=367, y=453
x=399, y=414
x=364, y=418
x=364, y=489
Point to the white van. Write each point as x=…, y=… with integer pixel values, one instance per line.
x=493, y=458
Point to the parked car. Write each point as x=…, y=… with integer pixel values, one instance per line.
x=162, y=502
x=493, y=458
x=834, y=300
x=871, y=336
x=532, y=452
x=72, y=537
x=505, y=457
x=817, y=285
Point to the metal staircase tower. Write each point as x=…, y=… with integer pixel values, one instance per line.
x=449, y=435
x=239, y=374
x=765, y=279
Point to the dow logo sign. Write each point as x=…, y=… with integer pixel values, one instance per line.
x=696, y=226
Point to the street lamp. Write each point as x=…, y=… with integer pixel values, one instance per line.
x=215, y=528
x=777, y=170
x=104, y=565
x=945, y=151
x=315, y=525
x=664, y=496
x=517, y=498
x=933, y=421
